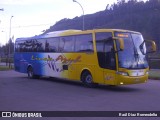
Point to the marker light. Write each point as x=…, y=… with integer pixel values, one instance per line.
x=147, y=73
x=121, y=83
x=123, y=35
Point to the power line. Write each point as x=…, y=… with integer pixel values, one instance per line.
x=27, y=26
x=32, y=25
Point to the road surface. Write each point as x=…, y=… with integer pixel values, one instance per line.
x=18, y=93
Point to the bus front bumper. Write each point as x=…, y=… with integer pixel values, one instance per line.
x=126, y=80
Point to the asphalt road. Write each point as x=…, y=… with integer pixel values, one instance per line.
x=18, y=93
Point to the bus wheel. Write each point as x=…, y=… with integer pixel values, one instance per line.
x=30, y=72
x=87, y=79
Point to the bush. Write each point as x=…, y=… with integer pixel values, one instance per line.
x=154, y=63
x=7, y=60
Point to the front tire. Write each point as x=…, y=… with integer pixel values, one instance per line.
x=87, y=79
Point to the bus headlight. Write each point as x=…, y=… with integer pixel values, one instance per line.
x=147, y=73
x=123, y=73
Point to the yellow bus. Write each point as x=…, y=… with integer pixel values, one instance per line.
x=100, y=56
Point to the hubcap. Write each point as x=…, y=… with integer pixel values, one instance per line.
x=30, y=73
x=89, y=79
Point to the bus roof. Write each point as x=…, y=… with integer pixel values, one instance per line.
x=70, y=31
x=115, y=30
x=49, y=34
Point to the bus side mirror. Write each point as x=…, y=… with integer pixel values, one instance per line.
x=154, y=48
x=151, y=45
x=120, y=42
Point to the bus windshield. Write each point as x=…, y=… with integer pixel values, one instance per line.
x=132, y=57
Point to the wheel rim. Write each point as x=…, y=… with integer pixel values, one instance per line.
x=30, y=73
x=88, y=79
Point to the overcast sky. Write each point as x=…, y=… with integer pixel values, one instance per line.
x=31, y=17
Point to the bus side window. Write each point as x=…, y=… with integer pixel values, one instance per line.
x=47, y=46
x=84, y=43
x=35, y=47
x=40, y=45
x=69, y=44
x=66, y=44
x=61, y=45
x=51, y=45
x=17, y=47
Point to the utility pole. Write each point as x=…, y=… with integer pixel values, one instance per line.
x=82, y=11
x=0, y=22
x=10, y=41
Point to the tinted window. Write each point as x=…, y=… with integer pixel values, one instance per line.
x=105, y=50
x=84, y=43
x=18, y=46
x=51, y=45
x=67, y=44
x=78, y=43
x=24, y=46
x=101, y=38
x=38, y=45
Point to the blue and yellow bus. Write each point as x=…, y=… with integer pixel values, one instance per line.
x=100, y=56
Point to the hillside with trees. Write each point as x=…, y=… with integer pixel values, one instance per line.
x=133, y=15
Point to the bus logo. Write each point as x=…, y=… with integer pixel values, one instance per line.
x=51, y=62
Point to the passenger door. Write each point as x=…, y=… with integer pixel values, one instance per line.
x=106, y=56
x=110, y=62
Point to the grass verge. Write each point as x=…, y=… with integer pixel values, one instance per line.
x=3, y=68
x=154, y=74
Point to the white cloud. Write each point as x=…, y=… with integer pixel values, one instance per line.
x=24, y=2
x=30, y=15
x=38, y=12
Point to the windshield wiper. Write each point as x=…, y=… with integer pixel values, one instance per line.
x=142, y=48
x=136, y=55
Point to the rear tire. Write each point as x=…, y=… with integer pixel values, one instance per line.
x=31, y=74
x=87, y=80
